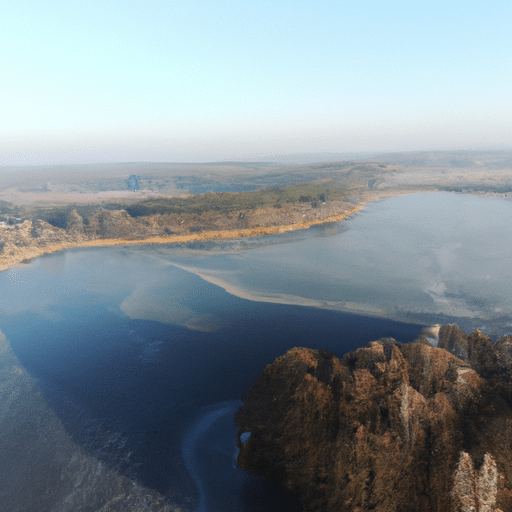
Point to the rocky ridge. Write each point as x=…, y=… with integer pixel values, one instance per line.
x=389, y=427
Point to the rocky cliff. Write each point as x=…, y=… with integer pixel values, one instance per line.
x=389, y=427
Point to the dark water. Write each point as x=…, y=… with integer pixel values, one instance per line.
x=121, y=372
x=132, y=392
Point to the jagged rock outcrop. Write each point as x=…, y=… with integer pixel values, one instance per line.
x=389, y=427
x=488, y=359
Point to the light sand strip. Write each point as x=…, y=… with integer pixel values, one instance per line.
x=34, y=252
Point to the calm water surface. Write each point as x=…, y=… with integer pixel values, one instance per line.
x=121, y=369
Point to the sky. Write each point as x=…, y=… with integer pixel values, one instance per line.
x=196, y=81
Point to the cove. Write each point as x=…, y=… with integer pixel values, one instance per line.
x=122, y=367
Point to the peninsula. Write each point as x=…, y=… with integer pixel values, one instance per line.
x=48, y=209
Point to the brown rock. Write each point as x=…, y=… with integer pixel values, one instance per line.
x=390, y=427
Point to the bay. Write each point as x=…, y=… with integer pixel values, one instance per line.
x=121, y=368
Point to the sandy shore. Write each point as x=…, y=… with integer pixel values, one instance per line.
x=224, y=234
x=34, y=252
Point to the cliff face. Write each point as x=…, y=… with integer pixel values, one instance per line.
x=390, y=427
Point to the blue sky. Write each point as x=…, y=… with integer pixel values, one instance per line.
x=133, y=80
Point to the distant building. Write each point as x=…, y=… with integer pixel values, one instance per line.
x=133, y=182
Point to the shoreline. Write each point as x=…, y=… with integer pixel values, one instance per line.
x=32, y=253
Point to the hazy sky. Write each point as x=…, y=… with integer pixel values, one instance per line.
x=154, y=80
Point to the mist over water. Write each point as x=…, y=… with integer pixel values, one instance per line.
x=414, y=258
x=121, y=368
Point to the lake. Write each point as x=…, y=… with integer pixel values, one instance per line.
x=121, y=368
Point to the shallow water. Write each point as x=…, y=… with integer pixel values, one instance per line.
x=121, y=368
x=414, y=258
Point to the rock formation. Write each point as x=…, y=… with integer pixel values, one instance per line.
x=389, y=427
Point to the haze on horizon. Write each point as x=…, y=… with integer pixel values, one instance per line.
x=200, y=81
